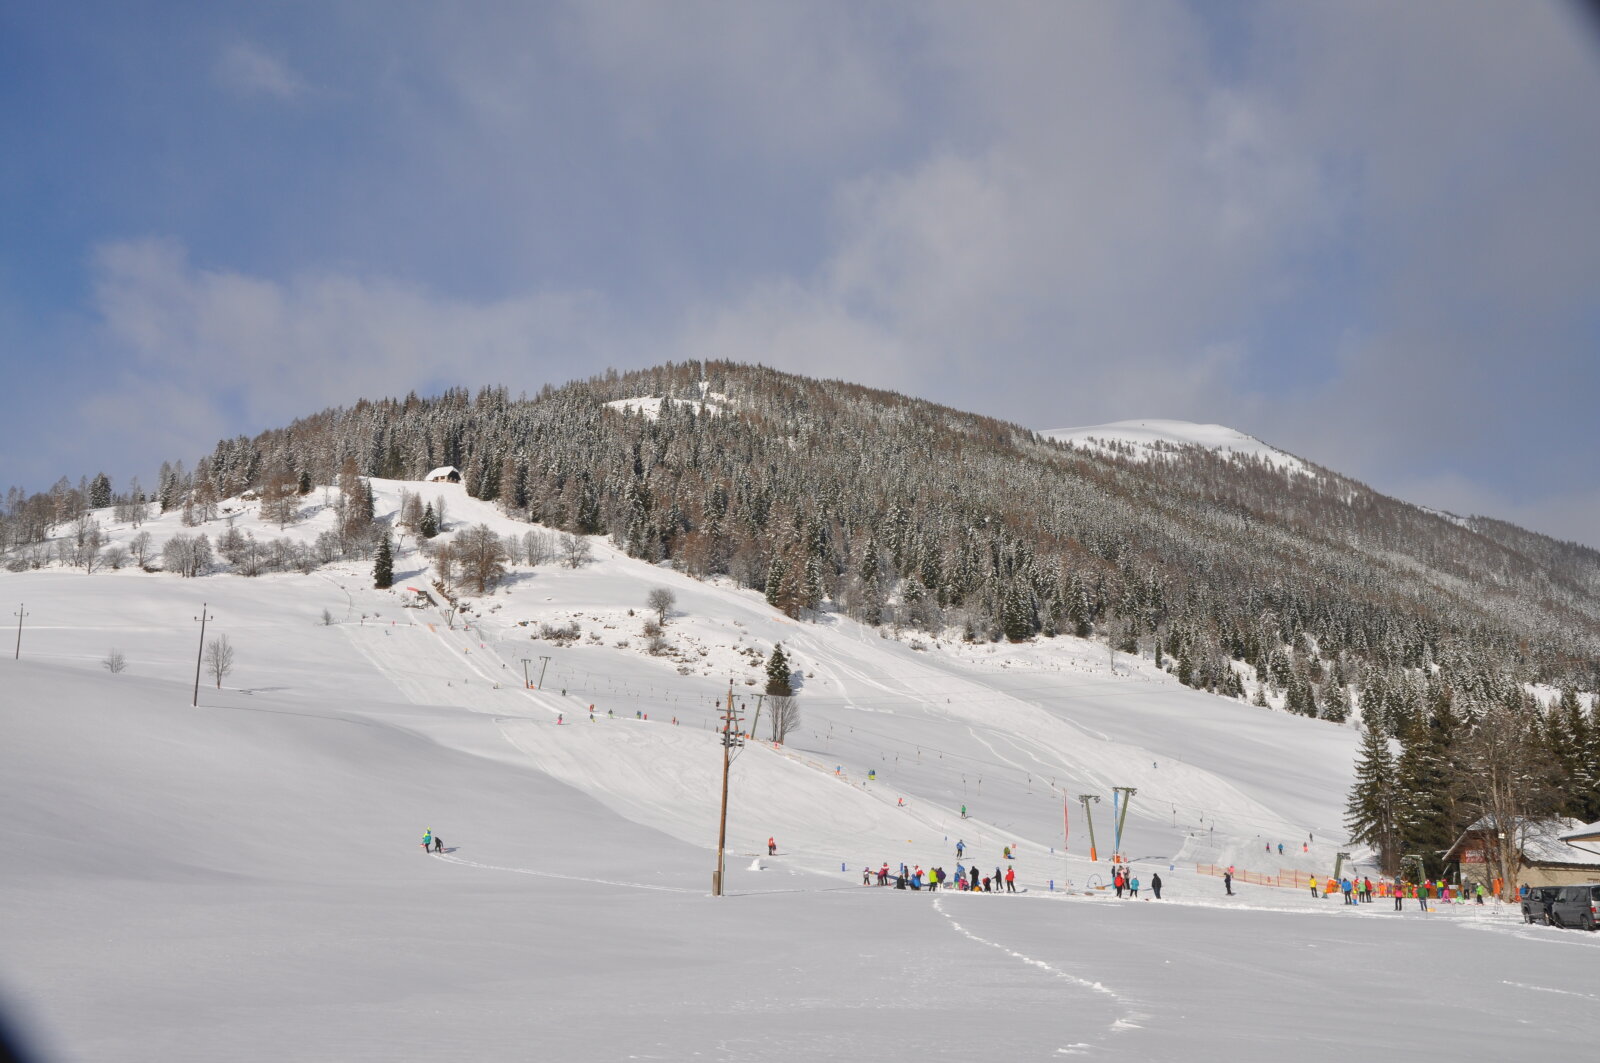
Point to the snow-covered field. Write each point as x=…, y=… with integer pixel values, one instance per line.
x=243, y=880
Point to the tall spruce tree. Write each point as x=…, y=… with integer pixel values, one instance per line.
x=778, y=674
x=1370, y=813
x=1424, y=779
x=383, y=567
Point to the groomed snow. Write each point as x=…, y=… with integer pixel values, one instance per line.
x=243, y=880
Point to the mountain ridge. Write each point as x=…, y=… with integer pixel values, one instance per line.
x=898, y=510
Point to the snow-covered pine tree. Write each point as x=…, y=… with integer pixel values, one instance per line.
x=383, y=567
x=100, y=491
x=1370, y=812
x=778, y=683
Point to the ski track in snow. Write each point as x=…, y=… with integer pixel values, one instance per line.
x=1549, y=989
x=1534, y=932
x=569, y=878
x=1129, y=1020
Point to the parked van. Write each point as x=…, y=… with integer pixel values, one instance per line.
x=1578, y=906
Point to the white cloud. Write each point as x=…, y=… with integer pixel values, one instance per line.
x=246, y=69
x=1364, y=236
x=286, y=349
x=790, y=79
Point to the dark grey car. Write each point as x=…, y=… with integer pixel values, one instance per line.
x=1577, y=907
x=1533, y=905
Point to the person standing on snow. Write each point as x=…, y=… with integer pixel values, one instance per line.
x=1011, y=880
x=438, y=844
x=961, y=847
x=427, y=839
x=974, y=876
x=1116, y=880
x=1313, y=885
x=1155, y=885
x=772, y=847
x=1133, y=887
x=1227, y=881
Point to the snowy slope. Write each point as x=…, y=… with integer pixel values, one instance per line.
x=1141, y=440
x=243, y=880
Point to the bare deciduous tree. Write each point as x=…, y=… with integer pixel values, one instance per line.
x=114, y=661
x=280, y=498
x=139, y=547
x=784, y=716
x=661, y=601
x=187, y=555
x=87, y=540
x=538, y=547
x=575, y=551
x=410, y=511
x=1509, y=781
x=219, y=658
x=481, y=557
x=205, y=501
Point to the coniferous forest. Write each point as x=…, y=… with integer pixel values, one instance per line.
x=1311, y=591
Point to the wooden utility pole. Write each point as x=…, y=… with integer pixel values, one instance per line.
x=731, y=740
x=203, y=617
x=542, y=667
x=22, y=611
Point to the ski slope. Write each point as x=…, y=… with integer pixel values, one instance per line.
x=242, y=879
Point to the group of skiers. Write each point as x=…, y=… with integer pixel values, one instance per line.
x=965, y=879
x=1354, y=891
x=1123, y=879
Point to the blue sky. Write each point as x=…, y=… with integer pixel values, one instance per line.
x=1366, y=233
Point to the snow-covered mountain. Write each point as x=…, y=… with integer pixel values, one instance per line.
x=243, y=879
x=1142, y=440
